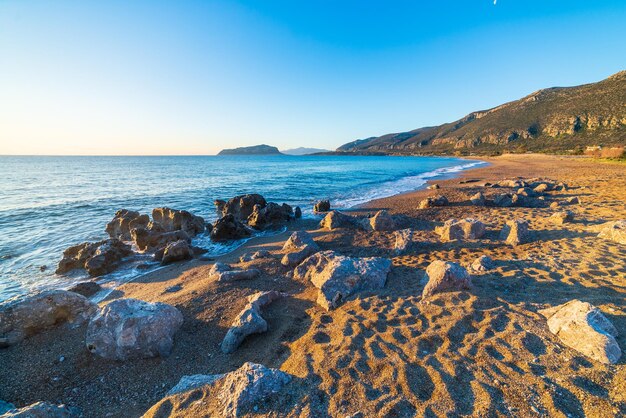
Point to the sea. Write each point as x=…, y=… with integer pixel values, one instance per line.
x=48, y=203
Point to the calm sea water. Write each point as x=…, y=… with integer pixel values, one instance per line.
x=50, y=203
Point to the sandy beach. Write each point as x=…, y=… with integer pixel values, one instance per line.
x=485, y=351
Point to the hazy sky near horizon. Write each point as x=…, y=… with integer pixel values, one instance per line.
x=193, y=77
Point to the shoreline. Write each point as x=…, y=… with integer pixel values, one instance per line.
x=484, y=351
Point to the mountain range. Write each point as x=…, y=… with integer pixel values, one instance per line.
x=553, y=120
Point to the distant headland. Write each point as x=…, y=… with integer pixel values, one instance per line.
x=253, y=150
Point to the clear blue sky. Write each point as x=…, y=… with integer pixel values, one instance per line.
x=183, y=77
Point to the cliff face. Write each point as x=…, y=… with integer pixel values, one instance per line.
x=551, y=120
x=253, y=150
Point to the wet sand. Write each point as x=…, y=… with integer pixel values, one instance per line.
x=482, y=352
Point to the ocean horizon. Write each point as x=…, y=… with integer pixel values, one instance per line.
x=48, y=203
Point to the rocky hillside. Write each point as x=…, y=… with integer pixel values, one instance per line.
x=253, y=150
x=558, y=119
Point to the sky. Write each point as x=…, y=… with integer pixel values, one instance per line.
x=193, y=77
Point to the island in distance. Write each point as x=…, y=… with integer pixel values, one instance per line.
x=253, y=150
x=304, y=151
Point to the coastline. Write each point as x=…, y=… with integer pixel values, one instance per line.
x=392, y=342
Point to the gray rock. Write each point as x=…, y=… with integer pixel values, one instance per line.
x=338, y=277
x=444, y=276
x=467, y=228
x=572, y=200
x=131, y=328
x=299, y=246
x=228, y=227
x=119, y=227
x=478, y=199
x=270, y=215
x=87, y=289
x=176, y=251
x=34, y=314
x=254, y=256
x=224, y=273
x=242, y=206
x=153, y=237
x=297, y=212
x=542, y=188
x=97, y=258
x=562, y=217
x=614, y=231
x=381, y=221
x=178, y=220
x=322, y=206
x=555, y=205
x=40, y=410
x=249, y=321
x=503, y=200
x=434, y=201
x=584, y=328
x=334, y=220
x=187, y=383
x=404, y=240
x=483, y=263
x=516, y=232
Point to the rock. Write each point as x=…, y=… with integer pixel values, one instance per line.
x=514, y=184
x=176, y=251
x=249, y=321
x=131, y=328
x=516, y=232
x=224, y=273
x=299, y=246
x=584, y=328
x=40, y=410
x=297, y=212
x=242, y=206
x=614, y=231
x=236, y=393
x=503, y=200
x=123, y=222
x=526, y=192
x=542, y=188
x=96, y=257
x=433, y=201
x=322, y=206
x=227, y=228
x=478, y=199
x=178, y=220
x=445, y=276
x=37, y=313
x=483, y=263
x=334, y=220
x=467, y=228
x=572, y=200
x=338, y=277
x=5, y=407
x=563, y=217
x=254, y=256
x=434, y=186
x=404, y=240
x=270, y=214
x=87, y=289
x=153, y=237
x=381, y=221
x=555, y=205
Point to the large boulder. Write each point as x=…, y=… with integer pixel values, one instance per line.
x=381, y=221
x=249, y=321
x=242, y=206
x=299, y=246
x=335, y=219
x=445, y=276
x=153, y=237
x=34, y=314
x=467, y=228
x=231, y=394
x=176, y=251
x=221, y=272
x=322, y=206
x=516, y=232
x=178, y=220
x=404, y=240
x=228, y=227
x=584, y=328
x=123, y=222
x=434, y=201
x=131, y=328
x=270, y=214
x=97, y=258
x=614, y=231
x=338, y=277
x=40, y=410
